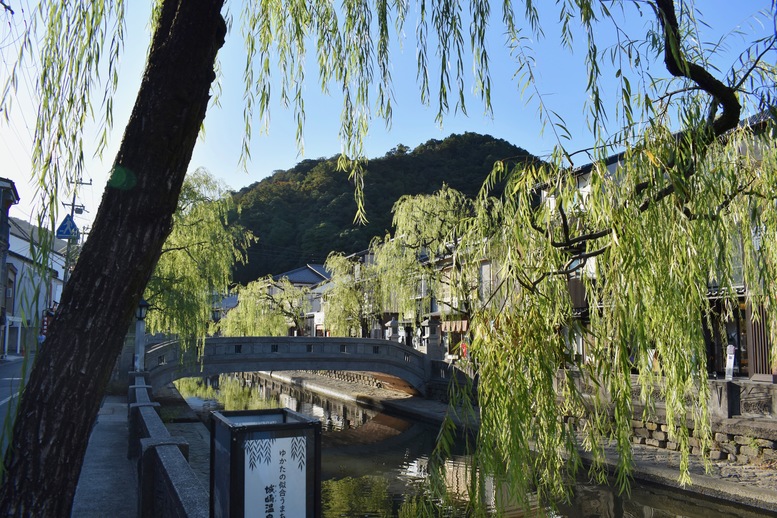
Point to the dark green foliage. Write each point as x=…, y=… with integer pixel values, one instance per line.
x=302, y=214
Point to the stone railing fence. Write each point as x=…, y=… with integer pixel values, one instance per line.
x=169, y=360
x=167, y=485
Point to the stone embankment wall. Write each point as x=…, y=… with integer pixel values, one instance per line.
x=437, y=387
x=363, y=378
x=743, y=421
x=746, y=445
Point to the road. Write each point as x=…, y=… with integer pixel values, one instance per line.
x=10, y=380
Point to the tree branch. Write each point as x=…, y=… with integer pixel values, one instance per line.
x=727, y=200
x=677, y=65
x=722, y=96
x=756, y=62
x=184, y=247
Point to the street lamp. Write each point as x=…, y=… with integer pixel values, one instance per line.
x=142, y=310
x=140, y=335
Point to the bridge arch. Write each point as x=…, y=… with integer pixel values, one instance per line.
x=168, y=361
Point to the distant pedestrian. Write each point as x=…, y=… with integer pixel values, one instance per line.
x=41, y=339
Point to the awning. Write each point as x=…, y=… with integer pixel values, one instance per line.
x=454, y=326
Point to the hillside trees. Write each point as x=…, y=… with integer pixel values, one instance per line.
x=655, y=234
x=302, y=214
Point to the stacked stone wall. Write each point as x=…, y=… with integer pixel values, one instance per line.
x=351, y=377
x=728, y=443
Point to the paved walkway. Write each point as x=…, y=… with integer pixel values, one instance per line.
x=108, y=483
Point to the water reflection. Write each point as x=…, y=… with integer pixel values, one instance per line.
x=374, y=464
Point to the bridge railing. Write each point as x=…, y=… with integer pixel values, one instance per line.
x=167, y=361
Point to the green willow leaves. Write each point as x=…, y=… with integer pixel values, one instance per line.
x=690, y=204
x=195, y=267
x=266, y=307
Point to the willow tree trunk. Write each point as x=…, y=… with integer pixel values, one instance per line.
x=62, y=398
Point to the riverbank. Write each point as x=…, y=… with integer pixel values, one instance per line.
x=383, y=397
x=750, y=485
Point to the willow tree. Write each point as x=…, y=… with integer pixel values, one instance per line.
x=686, y=205
x=267, y=307
x=352, y=304
x=421, y=262
x=669, y=129
x=196, y=262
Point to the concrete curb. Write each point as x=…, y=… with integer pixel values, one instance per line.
x=757, y=499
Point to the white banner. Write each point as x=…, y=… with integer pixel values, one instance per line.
x=275, y=475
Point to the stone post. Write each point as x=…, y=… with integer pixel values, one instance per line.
x=724, y=399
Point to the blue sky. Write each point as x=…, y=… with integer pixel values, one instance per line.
x=561, y=81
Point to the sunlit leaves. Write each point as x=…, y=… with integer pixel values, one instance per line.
x=424, y=250
x=195, y=267
x=76, y=43
x=647, y=237
x=351, y=299
x=353, y=45
x=266, y=307
x=255, y=315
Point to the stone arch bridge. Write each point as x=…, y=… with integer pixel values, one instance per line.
x=167, y=361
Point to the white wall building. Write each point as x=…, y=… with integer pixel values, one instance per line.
x=31, y=291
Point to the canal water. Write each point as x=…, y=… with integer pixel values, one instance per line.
x=376, y=465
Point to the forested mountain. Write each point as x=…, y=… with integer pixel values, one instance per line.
x=302, y=214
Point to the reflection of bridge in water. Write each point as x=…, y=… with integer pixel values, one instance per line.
x=357, y=441
x=168, y=361
x=346, y=423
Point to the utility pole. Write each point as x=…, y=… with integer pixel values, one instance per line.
x=74, y=209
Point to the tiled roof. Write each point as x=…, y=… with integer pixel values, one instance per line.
x=310, y=274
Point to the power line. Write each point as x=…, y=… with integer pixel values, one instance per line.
x=74, y=209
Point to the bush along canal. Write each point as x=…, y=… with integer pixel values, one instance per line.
x=376, y=458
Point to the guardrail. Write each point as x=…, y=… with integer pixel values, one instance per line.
x=167, y=485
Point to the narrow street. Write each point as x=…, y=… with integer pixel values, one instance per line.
x=10, y=379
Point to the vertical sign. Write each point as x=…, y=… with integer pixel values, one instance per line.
x=730, y=351
x=265, y=464
x=275, y=477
